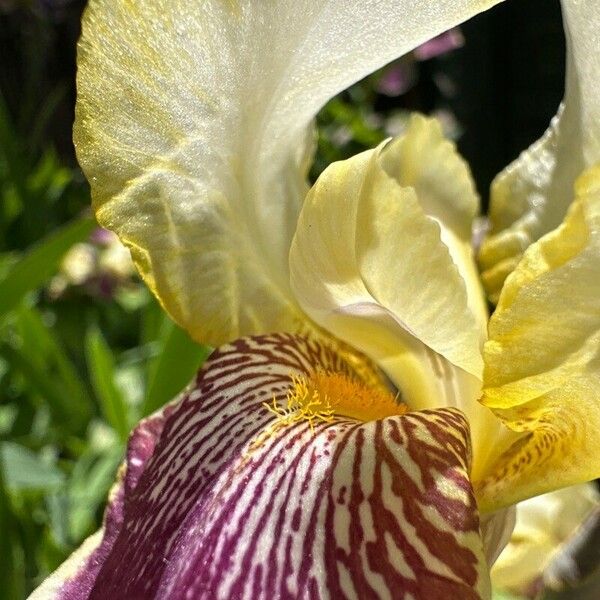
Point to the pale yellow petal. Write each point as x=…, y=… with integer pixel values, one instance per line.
x=543, y=524
x=542, y=361
x=368, y=263
x=531, y=196
x=193, y=128
x=428, y=162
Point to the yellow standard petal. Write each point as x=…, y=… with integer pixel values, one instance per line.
x=426, y=161
x=531, y=196
x=369, y=264
x=542, y=369
x=193, y=128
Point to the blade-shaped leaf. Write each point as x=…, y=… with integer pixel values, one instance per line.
x=10, y=581
x=101, y=367
x=72, y=415
x=88, y=487
x=174, y=367
x=41, y=343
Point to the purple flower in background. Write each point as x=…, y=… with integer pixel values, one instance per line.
x=401, y=75
x=99, y=266
x=440, y=44
x=397, y=79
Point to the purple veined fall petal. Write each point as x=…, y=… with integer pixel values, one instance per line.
x=217, y=502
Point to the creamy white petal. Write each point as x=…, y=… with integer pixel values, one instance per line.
x=531, y=196
x=193, y=129
x=365, y=248
x=425, y=160
x=543, y=524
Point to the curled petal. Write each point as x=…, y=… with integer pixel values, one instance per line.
x=381, y=259
x=193, y=128
x=227, y=506
x=541, y=361
x=531, y=196
x=366, y=246
x=425, y=160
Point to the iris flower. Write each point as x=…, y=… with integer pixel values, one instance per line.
x=361, y=430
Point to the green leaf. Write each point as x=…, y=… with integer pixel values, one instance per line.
x=11, y=580
x=40, y=342
x=49, y=178
x=70, y=416
x=175, y=366
x=132, y=298
x=8, y=416
x=40, y=263
x=25, y=470
x=153, y=322
x=101, y=367
x=57, y=505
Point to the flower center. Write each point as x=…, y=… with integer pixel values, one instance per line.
x=323, y=395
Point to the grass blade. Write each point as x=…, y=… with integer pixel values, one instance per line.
x=41, y=342
x=101, y=367
x=11, y=577
x=70, y=416
x=88, y=488
x=178, y=361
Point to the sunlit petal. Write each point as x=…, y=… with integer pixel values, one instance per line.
x=365, y=246
x=531, y=196
x=369, y=264
x=542, y=375
x=223, y=504
x=193, y=128
x=425, y=160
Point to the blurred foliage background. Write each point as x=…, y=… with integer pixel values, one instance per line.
x=85, y=351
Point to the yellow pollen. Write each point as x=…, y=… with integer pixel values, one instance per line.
x=320, y=397
x=351, y=398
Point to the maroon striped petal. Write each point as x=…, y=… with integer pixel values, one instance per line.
x=332, y=509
